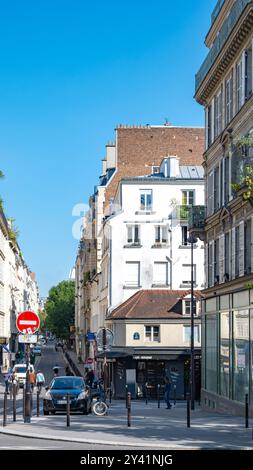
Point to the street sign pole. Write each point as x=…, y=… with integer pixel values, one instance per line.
x=27, y=415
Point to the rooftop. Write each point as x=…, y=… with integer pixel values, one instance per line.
x=155, y=303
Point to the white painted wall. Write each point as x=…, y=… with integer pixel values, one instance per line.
x=164, y=198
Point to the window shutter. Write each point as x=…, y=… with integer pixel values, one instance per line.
x=206, y=127
x=212, y=263
x=241, y=249
x=221, y=257
x=132, y=274
x=206, y=265
x=243, y=77
x=212, y=120
x=210, y=193
x=252, y=244
x=233, y=253
x=160, y=274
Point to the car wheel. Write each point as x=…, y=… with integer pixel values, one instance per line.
x=46, y=413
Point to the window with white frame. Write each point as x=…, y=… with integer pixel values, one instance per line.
x=160, y=277
x=187, y=334
x=132, y=274
x=161, y=234
x=229, y=100
x=187, y=307
x=217, y=114
x=239, y=85
x=146, y=199
x=133, y=234
x=152, y=334
x=188, y=197
x=186, y=273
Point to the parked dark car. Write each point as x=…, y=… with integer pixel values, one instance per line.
x=55, y=398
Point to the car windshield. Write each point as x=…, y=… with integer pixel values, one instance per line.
x=68, y=384
x=20, y=370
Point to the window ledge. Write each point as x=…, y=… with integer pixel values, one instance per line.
x=160, y=285
x=187, y=247
x=160, y=245
x=132, y=287
x=145, y=212
x=188, y=284
x=133, y=245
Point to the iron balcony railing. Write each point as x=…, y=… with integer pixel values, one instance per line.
x=197, y=217
x=219, y=42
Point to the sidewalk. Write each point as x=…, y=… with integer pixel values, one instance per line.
x=152, y=428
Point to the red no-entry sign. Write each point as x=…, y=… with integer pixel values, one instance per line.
x=28, y=323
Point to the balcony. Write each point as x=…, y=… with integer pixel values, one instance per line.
x=182, y=213
x=217, y=10
x=221, y=39
x=196, y=221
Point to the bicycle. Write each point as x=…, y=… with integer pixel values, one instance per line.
x=100, y=408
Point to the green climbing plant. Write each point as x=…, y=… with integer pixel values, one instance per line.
x=244, y=143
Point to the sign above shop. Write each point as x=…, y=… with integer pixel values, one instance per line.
x=91, y=336
x=143, y=358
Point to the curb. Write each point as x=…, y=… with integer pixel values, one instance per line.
x=91, y=441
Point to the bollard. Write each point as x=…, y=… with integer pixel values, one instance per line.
x=129, y=409
x=126, y=394
x=38, y=403
x=24, y=402
x=14, y=402
x=110, y=395
x=188, y=410
x=146, y=393
x=175, y=394
x=158, y=395
x=68, y=411
x=246, y=410
x=5, y=404
x=27, y=416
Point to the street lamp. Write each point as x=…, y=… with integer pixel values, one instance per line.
x=192, y=240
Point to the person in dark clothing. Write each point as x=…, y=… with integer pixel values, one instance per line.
x=167, y=390
x=68, y=371
x=89, y=377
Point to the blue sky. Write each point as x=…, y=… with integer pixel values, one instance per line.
x=70, y=71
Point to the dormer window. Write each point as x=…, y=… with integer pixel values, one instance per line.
x=155, y=170
x=146, y=199
x=187, y=307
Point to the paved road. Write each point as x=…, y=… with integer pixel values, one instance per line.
x=21, y=443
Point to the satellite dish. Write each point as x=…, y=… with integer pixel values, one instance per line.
x=109, y=339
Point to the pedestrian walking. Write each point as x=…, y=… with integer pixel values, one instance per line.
x=40, y=380
x=31, y=378
x=7, y=376
x=167, y=390
x=89, y=376
x=56, y=371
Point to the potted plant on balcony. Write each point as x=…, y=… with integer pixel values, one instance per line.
x=245, y=187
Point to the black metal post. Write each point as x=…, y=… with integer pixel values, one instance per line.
x=158, y=395
x=110, y=397
x=14, y=403
x=23, y=401
x=146, y=393
x=68, y=410
x=5, y=405
x=192, y=330
x=246, y=410
x=38, y=403
x=126, y=394
x=105, y=364
x=27, y=415
x=129, y=409
x=188, y=410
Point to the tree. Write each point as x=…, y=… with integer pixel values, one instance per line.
x=60, y=309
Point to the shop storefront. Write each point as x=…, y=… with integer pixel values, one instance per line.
x=143, y=371
x=227, y=329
